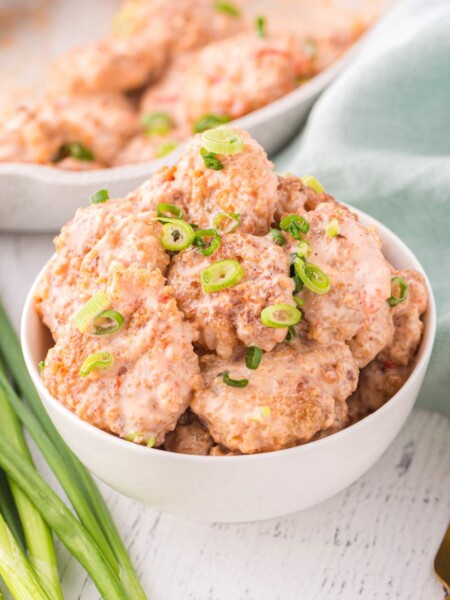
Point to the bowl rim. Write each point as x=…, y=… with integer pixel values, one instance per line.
x=306, y=92
x=424, y=353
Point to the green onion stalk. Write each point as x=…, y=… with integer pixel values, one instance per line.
x=74, y=477
x=38, y=537
x=70, y=531
x=8, y=510
x=15, y=570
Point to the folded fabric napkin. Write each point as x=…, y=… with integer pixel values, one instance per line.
x=379, y=139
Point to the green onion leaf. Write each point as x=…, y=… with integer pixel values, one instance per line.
x=332, y=228
x=253, y=357
x=211, y=161
x=313, y=183
x=222, y=141
x=200, y=241
x=74, y=150
x=98, y=360
x=291, y=335
x=209, y=122
x=227, y=222
x=108, y=315
x=41, y=366
x=295, y=225
x=164, y=210
x=99, y=197
x=297, y=282
x=260, y=23
x=312, y=276
x=157, y=123
x=166, y=148
x=299, y=301
x=280, y=315
x=177, y=234
x=239, y=383
x=399, y=291
x=277, y=237
x=220, y=275
x=228, y=9
x=84, y=318
x=303, y=249
x=151, y=442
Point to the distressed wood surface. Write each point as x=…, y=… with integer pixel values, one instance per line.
x=376, y=540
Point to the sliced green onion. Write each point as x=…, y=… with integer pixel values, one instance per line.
x=303, y=249
x=222, y=219
x=280, y=315
x=165, y=210
x=200, y=241
x=403, y=289
x=221, y=275
x=151, y=442
x=211, y=161
x=299, y=301
x=209, y=122
x=100, y=197
x=261, y=412
x=298, y=282
x=85, y=316
x=222, y=141
x=98, y=360
x=295, y=225
x=228, y=9
x=260, y=23
x=75, y=150
x=108, y=315
x=313, y=183
x=277, y=237
x=313, y=277
x=253, y=357
x=41, y=366
x=177, y=235
x=239, y=383
x=291, y=335
x=332, y=228
x=158, y=123
x=166, y=148
x=310, y=47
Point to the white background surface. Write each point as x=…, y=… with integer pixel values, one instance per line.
x=376, y=540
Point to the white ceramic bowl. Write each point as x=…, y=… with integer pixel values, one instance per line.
x=41, y=198
x=237, y=488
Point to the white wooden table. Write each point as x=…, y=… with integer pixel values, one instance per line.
x=376, y=540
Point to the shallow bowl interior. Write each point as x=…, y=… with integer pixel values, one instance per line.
x=237, y=488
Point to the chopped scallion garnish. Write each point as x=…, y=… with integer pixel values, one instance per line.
x=100, y=197
x=222, y=141
x=166, y=148
x=227, y=222
x=114, y=321
x=228, y=9
x=253, y=357
x=295, y=225
x=303, y=249
x=99, y=360
x=291, y=335
x=399, y=289
x=332, y=228
x=261, y=412
x=177, y=234
x=280, y=315
x=209, y=122
x=313, y=183
x=151, y=442
x=260, y=23
x=210, y=159
x=312, y=276
x=41, y=366
x=200, y=240
x=277, y=237
x=220, y=275
x=299, y=301
x=157, y=123
x=169, y=210
x=85, y=317
x=239, y=383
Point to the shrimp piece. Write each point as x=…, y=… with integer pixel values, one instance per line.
x=154, y=370
x=296, y=392
x=231, y=317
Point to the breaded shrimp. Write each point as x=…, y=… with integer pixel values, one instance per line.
x=295, y=393
x=154, y=370
x=229, y=318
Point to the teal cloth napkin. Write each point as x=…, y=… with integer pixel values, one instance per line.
x=379, y=139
